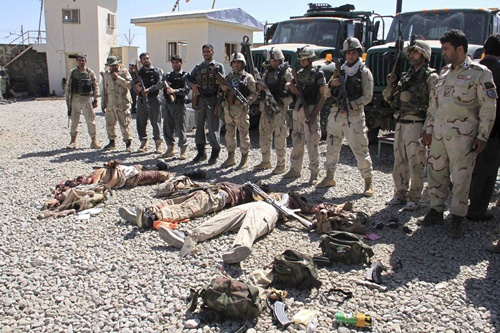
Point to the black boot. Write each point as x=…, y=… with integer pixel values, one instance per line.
x=110, y=146
x=213, y=156
x=202, y=155
x=457, y=227
x=198, y=174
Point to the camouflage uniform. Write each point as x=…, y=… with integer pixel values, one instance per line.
x=411, y=100
x=116, y=99
x=461, y=109
x=307, y=131
x=360, y=91
x=81, y=89
x=271, y=122
x=236, y=116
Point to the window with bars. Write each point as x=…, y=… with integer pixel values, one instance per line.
x=71, y=16
x=111, y=21
x=177, y=48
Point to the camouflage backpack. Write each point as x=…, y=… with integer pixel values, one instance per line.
x=295, y=270
x=231, y=298
x=345, y=247
x=341, y=218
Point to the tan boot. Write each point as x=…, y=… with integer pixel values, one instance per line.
x=170, y=152
x=158, y=147
x=328, y=180
x=263, y=165
x=292, y=174
x=229, y=162
x=183, y=154
x=144, y=146
x=94, y=144
x=280, y=168
x=244, y=162
x=72, y=144
x=368, y=187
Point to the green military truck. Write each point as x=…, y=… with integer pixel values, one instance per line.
x=324, y=28
x=429, y=25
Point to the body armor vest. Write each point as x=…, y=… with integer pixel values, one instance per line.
x=176, y=81
x=205, y=77
x=81, y=83
x=150, y=77
x=353, y=85
x=416, y=85
x=275, y=81
x=238, y=81
x=307, y=80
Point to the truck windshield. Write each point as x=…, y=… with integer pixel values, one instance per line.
x=317, y=32
x=432, y=25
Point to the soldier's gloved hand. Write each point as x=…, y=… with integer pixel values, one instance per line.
x=426, y=139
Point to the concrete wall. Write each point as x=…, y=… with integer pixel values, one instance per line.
x=195, y=32
x=29, y=72
x=91, y=36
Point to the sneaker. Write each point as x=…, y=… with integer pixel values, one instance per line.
x=236, y=254
x=128, y=215
x=174, y=238
x=411, y=206
x=395, y=201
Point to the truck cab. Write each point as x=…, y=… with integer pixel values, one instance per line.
x=429, y=25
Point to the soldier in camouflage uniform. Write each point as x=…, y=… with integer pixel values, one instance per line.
x=309, y=87
x=410, y=98
x=350, y=123
x=459, y=120
x=81, y=93
x=205, y=101
x=236, y=115
x=273, y=119
x=115, y=102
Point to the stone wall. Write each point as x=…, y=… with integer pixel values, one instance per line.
x=28, y=73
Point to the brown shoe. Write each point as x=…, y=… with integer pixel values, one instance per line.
x=263, y=165
x=72, y=144
x=94, y=144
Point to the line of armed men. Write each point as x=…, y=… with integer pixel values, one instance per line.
x=447, y=120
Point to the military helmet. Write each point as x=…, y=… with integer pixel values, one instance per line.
x=274, y=53
x=421, y=46
x=237, y=56
x=352, y=43
x=305, y=52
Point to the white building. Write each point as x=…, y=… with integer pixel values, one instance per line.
x=78, y=26
x=184, y=33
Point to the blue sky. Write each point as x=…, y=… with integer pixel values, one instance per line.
x=263, y=10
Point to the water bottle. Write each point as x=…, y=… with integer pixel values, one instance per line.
x=360, y=319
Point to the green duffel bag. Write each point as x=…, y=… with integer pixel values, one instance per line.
x=345, y=247
x=295, y=270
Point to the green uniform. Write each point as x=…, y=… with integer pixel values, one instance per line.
x=461, y=109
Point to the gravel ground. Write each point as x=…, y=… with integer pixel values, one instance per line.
x=105, y=275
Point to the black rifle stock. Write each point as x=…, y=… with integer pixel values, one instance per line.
x=342, y=97
x=287, y=212
x=141, y=82
x=237, y=94
x=167, y=85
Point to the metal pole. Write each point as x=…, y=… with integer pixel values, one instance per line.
x=40, y=23
x=213, y=4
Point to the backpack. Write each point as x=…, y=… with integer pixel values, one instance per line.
x=341, y=218
x=231, y=298
x=295, y=270
x=345, y=247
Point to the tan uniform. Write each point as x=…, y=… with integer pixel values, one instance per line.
x=236, y=116
x=81, y=101
x=461, y=109
x=355, y=133
x=116, y=99
x=275, y=123
x=307, y=132
x=411, y=101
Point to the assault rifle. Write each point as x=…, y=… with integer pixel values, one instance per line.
x=239, y=96
x=280, y=207
x=269, y=99
x=141, y=82
x=342, y=96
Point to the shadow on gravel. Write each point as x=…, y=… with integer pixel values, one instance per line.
x=44, y=153
x=484, y=292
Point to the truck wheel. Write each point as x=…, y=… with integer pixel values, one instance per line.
x=372, y=135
